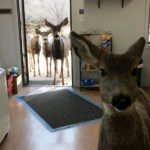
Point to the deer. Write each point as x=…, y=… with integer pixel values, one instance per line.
x=34, y=48
x=47, y=48
x=59, y=50
x=126, y=107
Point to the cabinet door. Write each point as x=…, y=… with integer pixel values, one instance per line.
x=3, y=97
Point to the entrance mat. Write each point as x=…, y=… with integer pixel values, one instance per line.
x=61, y=108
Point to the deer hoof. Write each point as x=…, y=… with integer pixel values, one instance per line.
x=62, y=82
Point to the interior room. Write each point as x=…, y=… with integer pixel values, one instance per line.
x=102, y=102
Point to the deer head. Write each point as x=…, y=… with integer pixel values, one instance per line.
x=44, y=34
x=117, y=72
x=56, y=28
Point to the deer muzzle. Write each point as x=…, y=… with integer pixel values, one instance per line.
x=121, y=102
x=57, y=36
x=45, y=39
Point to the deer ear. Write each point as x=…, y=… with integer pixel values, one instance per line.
x=85, y=49
x=49, y=31
x=137, y=48
x=64, y=22
x=37, y=31
x=47, y=23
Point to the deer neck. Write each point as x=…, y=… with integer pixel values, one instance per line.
x=58, y=48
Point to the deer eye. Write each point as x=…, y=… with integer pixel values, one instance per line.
x=134, y=71
x=103, y=72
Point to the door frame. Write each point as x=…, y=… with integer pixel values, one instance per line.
x=25, y=41
x=24, y=81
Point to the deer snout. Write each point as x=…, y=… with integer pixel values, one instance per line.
x=45, y=39
x=121, y=102
x=57, y=36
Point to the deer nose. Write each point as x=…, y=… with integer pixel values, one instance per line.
x=57, y=36
x=121, y=102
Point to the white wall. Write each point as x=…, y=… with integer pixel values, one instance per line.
x=126, y=24
x=76, y=26
x=16, y=34
x=9, y=40
x=5, y=4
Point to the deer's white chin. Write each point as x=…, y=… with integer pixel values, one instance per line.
x=109, y=109
x=118, y=110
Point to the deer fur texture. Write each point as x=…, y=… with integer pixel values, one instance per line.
x=126, y=107
x=59, y=49
x=47, y=49
x=34, y=48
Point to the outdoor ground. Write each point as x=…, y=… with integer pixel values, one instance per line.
x=49, y=80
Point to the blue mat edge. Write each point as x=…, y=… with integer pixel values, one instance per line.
x=47, y=126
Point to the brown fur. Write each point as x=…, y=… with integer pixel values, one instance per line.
x=59, y=50
x=47, y=49
x=122, y=129
x=34, y=48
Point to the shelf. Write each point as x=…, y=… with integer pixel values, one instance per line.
x=92, y=86
x=89, y=74
x=92, y=70
x=122, y=3
x=99, y=3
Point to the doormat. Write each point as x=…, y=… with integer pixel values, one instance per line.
x=61, y=108
x=40, y=83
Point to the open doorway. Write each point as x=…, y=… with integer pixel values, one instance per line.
x=41, y=62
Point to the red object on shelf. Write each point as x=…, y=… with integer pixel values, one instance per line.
x=9, y=84
x=15, y=89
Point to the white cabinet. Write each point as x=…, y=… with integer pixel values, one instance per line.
x=4, y=114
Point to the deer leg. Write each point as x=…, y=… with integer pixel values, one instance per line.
x=67, y=64
x=33, y=57
x=29, y=62
x=38, y=65
x=55, y=65
x=46, y=65
x=50, y=66
x=32, y=64
x=62, y=73
x=60, y=76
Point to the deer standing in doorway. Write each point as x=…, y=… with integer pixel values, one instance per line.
x=34, y=48
x=126, y=107
x=59, y=50
x=47, y=48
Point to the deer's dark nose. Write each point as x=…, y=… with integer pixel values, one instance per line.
x=121, y=102
x=57, y=36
